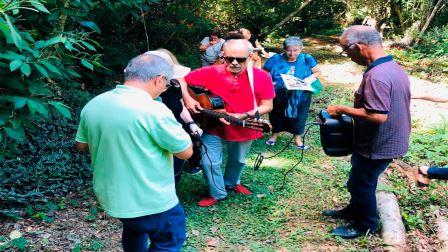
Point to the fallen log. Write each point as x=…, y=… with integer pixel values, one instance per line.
x=442, y=231
x=393, y=230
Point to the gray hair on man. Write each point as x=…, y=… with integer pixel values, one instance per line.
x=362, y=34
x=292, y=41
x=147, y=67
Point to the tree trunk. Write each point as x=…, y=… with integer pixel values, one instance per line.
x=410, y=34
x=62, y=18
x=429, y=18
x=286, y=19
x=396, y=7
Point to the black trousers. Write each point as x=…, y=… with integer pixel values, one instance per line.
x=435, y=172
x=280, y=122
x=362, y=183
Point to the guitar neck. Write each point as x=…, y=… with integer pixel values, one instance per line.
x=217, y=115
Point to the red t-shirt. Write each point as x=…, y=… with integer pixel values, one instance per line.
x=236, y=94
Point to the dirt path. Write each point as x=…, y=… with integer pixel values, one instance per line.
x=343, y=71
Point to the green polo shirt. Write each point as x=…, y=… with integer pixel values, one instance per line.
x=131, y=139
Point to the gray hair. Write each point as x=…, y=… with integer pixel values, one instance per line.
x=147, y=67
x=292, y=41
x=362, y=34
x=238, y=42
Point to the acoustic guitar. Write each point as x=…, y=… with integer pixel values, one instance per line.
x=213, y=109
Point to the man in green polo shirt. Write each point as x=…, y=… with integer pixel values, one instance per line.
x=131, y=138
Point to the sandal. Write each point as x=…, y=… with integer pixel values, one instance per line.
x=424, y=176
x=270, y=142
x=302, y=147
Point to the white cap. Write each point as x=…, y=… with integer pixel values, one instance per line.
x=179, y=70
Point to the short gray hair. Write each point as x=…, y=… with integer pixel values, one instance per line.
x=238, y=42
x=292, y=41
x=147, y=67
x=362, y=34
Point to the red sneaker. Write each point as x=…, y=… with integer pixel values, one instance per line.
x=242, y=189
x=207, y=201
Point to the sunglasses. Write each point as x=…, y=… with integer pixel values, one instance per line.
x=344, y=50
x=240, y=60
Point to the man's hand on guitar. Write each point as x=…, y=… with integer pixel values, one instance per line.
x=236, y=115
x=192, y=105
x=224, y=121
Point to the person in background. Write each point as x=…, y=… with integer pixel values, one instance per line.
x=210, y=47
x=382, y=126
x=131, y=138
x=230, y=81
x=172, y=98
x=290, y=106
x=256, y=46
x=433, y=98
x=425, y=173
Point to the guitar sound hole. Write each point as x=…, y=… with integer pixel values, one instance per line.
x=217, y=102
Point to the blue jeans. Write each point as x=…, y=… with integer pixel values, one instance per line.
x=212, y=154
x=166, y=231
x=435, y=172
x=362, y=183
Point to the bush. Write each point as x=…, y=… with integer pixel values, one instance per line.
x=434, y=43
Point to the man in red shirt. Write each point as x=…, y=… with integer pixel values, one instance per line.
x=230, y=81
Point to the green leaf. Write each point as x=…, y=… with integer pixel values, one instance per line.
x=91, y=25
x=17, y=134
x=26, y=69
x=18, y=101
x=39, y=6
x=36, y=54
x=3, y=118
x=13, y=33
x=20, y=243
x=89, y=46
x=87, y=64
x=1, y=138
x=62, y=108
x=73, y=73
x=68, y=45
x=12, y=56
x=38, y=88
x=15, y=64
x=42, y=70
x=55, y=40
x=51, y=67
x=35, y=106
x=39, y=44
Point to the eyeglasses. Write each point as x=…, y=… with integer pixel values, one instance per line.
x=240, y=60
x=167, y=82
x=344, y=50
